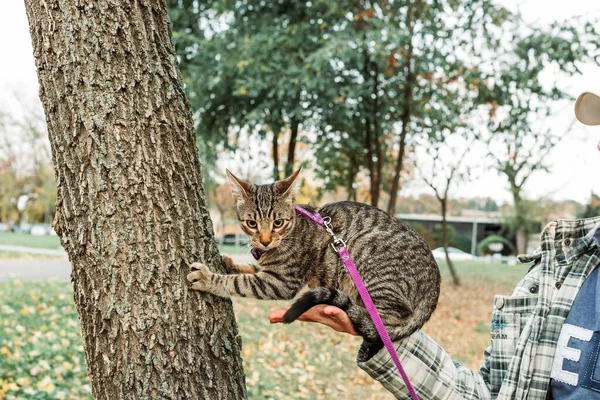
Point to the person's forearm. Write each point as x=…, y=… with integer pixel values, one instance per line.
x=430, y=369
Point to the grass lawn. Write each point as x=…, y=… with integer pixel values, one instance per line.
x=41, y=356
x=23, y=239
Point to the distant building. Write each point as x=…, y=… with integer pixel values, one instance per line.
x=478, y=228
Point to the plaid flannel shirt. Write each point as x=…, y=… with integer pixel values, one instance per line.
x=524, y=331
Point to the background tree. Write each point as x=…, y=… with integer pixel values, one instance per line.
x=222, y=201
x=357, y=77
x=518, y=139
x=35, y=152
x=447, y=168
x=434, y=54
x=265, y=74
x=130, y=206
x=27, y=190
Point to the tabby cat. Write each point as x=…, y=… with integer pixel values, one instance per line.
x=395, y=263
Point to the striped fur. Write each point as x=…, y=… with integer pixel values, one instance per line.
x=395, y=263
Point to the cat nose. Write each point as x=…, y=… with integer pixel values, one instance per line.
x=265, y=238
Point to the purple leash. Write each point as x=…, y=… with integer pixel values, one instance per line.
x=340, y=247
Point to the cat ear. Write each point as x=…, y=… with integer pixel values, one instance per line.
x=288, y=186
x=239, y=188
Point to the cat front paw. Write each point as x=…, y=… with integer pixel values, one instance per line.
x=199, y=277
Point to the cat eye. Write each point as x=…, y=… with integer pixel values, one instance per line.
x=251, y=223
x=278, y=223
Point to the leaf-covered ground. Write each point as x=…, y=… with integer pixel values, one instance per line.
x=41, y=355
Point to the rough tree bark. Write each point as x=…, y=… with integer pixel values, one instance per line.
x=131, y=209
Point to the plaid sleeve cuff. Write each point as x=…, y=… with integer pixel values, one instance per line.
x=429, y=368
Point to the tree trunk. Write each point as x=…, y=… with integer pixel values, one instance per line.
x=369, y=145
x=521, y=239
x=289, y=167
x=350, y=189
x=406, y=114
x=275, y=150
x=520, y=219
x=377, y=140
x=455, y=279
x=373, y=189
x=131, y=209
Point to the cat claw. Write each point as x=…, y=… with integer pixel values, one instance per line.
x=196, y=266
x=200, y=273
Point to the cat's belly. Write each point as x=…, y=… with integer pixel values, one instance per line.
x=314, y=282
x=347, y=286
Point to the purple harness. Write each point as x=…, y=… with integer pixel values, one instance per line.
x=340, y=247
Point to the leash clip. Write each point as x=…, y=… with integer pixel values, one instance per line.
x=338, y=242
x=326, y=223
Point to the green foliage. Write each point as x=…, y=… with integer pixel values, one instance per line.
x=437, y=235
x=338, y=67
x=519, y=101
x=490, y=205
x=463, y=242
x=426, y=233
x=252, y=65
x=592, y=209
x=367, y=82
x=526, y=216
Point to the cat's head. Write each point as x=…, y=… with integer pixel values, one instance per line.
x=266, y=212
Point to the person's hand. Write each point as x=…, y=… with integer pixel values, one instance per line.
x=331, y=316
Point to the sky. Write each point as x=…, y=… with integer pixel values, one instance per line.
x=573, y=161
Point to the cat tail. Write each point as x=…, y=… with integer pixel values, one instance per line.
x=358, y=314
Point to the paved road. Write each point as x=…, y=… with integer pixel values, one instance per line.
x=36, y=269
x=60, y=269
